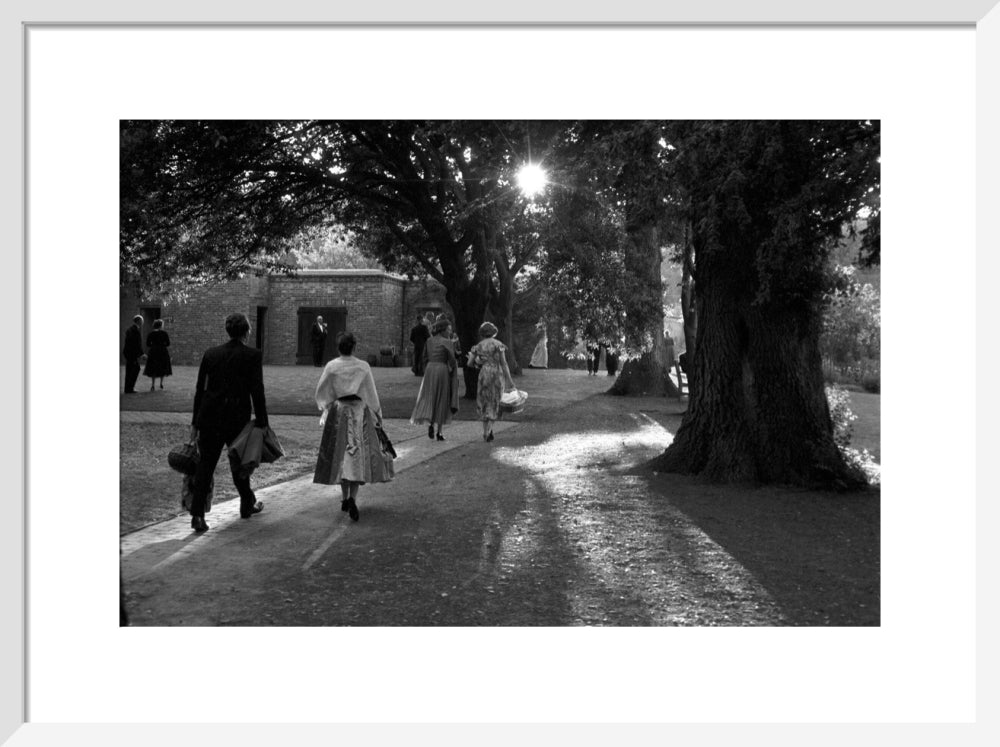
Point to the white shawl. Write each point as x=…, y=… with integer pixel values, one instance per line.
x=344, y=376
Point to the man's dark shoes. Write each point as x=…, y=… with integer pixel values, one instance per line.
x=198, y=524
x=352, y=509
x=257, y=508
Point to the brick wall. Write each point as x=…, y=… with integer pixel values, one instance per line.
x=375, y=304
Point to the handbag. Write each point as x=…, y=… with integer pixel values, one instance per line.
x=384, y=442
x=512, y=402
x=184, y=458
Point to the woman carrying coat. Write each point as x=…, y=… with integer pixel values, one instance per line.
x=350, y=452
x=489, y=354
x=437, y=399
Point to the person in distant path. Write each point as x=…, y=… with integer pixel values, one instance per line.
x=158, y=357
x=419, y=336
x=489, y=355
x=602, y=358
x=230, y=379
x=317, y=337
x=592, y=353
x=437, y=399
x=540, y=356
x=132, y=353
x=350, y=453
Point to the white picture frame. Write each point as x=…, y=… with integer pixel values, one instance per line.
x=20, y=17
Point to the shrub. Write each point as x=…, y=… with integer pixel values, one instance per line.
x=843, y=419
x=852, y=320
x=840, y=413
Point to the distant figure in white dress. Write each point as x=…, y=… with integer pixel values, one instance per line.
x=540, y=358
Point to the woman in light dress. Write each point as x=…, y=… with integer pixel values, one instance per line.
x=489, y=355
x=437, y=399
x=350, y=452
x=540, y=356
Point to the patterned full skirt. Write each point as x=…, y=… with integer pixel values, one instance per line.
x=488, y=392
x=350, y=449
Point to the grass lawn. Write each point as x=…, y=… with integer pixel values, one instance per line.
x=150, y=491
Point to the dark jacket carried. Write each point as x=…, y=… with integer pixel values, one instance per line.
x=133, y=344
x=230, y=378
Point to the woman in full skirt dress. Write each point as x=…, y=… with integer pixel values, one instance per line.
x=157, y=355
x=437, y=399
x=350, y=451
x=489, y=354
x=540, y=356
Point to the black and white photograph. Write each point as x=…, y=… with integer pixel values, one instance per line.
x=648, y=358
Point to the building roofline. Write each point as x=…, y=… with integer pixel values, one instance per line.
x=339, y=273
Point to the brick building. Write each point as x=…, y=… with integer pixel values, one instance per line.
x=377, y=306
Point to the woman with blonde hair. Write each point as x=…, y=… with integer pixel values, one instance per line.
x=489, y=355
x=350, y=452
x=437, y=399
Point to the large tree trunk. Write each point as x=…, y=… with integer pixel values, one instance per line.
x=687, y=305
x=758, y=412
x=469, y=304
x=503, y=310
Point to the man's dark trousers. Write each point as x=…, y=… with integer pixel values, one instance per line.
x=210, y=445
x=132, y=369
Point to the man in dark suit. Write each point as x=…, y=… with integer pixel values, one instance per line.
x=230, y=378
x=317, y=336
x=419, y=336
x=132, y=353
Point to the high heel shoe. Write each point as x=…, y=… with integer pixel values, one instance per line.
x=430, y=432
x=490, y=437
x=345, y=504
x=352, y=510
x=198, y=524
x=440, y=437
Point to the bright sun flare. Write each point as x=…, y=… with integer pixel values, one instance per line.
x=531, y=179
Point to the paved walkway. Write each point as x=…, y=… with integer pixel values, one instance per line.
x=153, y=547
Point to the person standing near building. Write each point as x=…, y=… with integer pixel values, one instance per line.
x=132, y=353
x=419, y=336
x=317, y=336
x=230, y=380
x=158, y=358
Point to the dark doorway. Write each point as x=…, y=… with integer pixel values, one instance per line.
x=150, y=314
x=336, y=322
x=261, y=320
